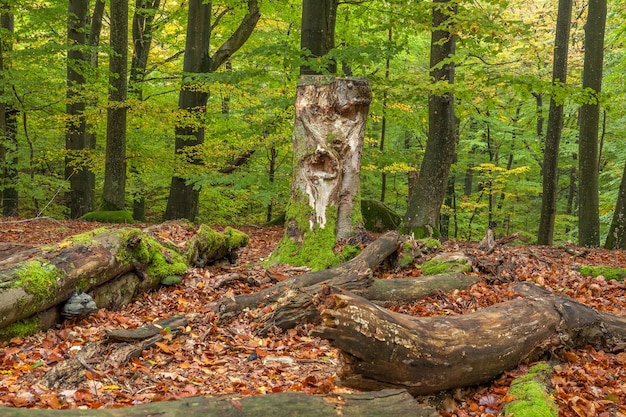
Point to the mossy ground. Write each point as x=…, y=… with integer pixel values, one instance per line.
x=114, y=216
x=531, y=398
x=20, y=328
x=607, y=272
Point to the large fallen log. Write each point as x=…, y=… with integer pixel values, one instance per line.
x=368, y=404
x=112, y=266
x=429, y=354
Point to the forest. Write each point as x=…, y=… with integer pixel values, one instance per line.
x=418, y=194
x=54, y=87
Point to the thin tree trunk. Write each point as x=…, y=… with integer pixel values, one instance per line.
x=616, y=238
x=555, y=125
x=588, y=199
x=114, y=192
x=422, y=216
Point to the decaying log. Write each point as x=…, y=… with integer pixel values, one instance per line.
x=389, y=403
x=293, y=300
x=100, y=357
x=429, y=354
x=111, y=266
x=361, y=266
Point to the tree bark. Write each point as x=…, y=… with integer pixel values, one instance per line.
x=318, y=33
x=429, y=354
x=368, y=404
x=183, y=197
x=112, y=267
x=422, y=216
x=81, y=194
x=327, y=145
x=588, y=198
x=114, y=192
x=555, y=125
x=616, y=238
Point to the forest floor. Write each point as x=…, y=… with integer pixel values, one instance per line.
x=214, y=359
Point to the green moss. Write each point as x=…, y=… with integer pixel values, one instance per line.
x=161, y=262
x=607, y=272
x=348, y=252
x=531, y=398
x=88, y=236
x=171, y=280
x=432, y=243
x=38, y=279
x=20, y=328
x=235, y=238
x=447, y=263
x=114, y=216
x=315, y=247
x=407, y=255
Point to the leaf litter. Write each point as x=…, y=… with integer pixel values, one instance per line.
x=207, y=358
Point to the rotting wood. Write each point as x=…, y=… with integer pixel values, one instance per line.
x=390, y=403
x=429, y=354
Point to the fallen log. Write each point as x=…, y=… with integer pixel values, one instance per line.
x=111, y=266
x=429, y=354
x=292, y=301
x=389, y=403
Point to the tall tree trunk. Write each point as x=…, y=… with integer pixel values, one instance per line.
x=555, y=125
x=8, y=122
x=422, y=216
x=142, y=31
x=588, y=199
x=192, y=99
x=115, y=164
x=76, y=170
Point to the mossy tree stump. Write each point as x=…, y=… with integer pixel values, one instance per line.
x=327, y=144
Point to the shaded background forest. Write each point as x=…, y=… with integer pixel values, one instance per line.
x=502, y=89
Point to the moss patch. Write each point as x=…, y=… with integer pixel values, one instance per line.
x=313, y=248
x=531, y=398
x=161, y=262
x=38, y=279
x=114, y=216
x=447, y=263
x=607, y=272
x=20, y=328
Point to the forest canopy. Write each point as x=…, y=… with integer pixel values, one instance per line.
x=502, y=90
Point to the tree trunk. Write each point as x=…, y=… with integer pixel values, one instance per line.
x=616, y=238
x=318, y=33
x=76, y=168
x=112, y=267
x=555, y=125
x=422, y=216
x=588, y=199
x=429, y=354
x=389, y=403
x=192, y=100
x=114, y=192
x=327, y=145
x=142, y=31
